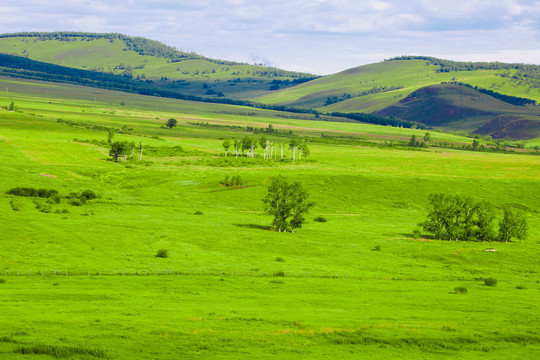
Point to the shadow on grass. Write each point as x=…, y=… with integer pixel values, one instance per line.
x=254, y=226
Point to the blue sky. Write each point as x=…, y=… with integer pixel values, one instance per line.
x=318, y=36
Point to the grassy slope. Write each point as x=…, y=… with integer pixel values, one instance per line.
x=409, y=74
x=105, y=55
x=460, y=108
x=370, y=196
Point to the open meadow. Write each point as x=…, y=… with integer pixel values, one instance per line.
x=83, y=280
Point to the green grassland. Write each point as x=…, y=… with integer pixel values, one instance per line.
x=86, y=282
x=407, y=75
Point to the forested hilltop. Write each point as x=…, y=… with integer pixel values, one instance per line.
x=528, y=74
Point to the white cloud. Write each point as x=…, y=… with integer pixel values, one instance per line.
x=320, y=35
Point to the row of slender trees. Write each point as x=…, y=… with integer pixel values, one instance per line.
x=270, y=149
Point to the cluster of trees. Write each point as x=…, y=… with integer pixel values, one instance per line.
x=288, y=203
x=416, y=143
x=269, y=149
x=455, y=217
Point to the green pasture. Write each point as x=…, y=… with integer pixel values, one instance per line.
x=227, y=317
x=231, y=288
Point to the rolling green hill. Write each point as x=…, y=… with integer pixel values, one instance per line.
x=454, y=107
x=151, y=60
x=373, y=87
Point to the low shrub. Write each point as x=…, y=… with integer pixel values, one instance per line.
x=521, y=287
x=276, y=282
x=59, y=351
x=2, y=281
x=43, y=207
x=376, y=248
x=320, y=219
x=417, y=233
x=279, y=273
x=15, y=205
x=460, y=290
x=279, y=259
x=88, y=194
x=162, y=253
x=233, y=181
x=75, y=202
x=197, y=212
x=490, y=281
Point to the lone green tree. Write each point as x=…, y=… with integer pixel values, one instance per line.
x=171, y=123
x=121, y=149
x=427, y=138
x=512, y=225
x=288, y=203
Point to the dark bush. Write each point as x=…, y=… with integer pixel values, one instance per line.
x=32, y=192
x=490, y=281
x=197, y=212
x=521, y=287
x=2, y=281
x=320, y=219
x=279, y=259
x=162, y=253
x=460, y=290
x=279, y=273
x=376, y=248
x=88, y=194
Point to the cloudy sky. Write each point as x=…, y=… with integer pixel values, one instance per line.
x=318, y=36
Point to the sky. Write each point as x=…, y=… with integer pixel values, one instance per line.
x=316, y=36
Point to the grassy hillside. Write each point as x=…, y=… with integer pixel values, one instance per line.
x=84, y=281
x=373, y=87
x=458, y=107
x=148, y=60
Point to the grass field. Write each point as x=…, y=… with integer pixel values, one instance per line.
x=85, y=282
